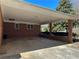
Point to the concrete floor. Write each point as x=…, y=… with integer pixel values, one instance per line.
x=70, y=51
x=40, y=48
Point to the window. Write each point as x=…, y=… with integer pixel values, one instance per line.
x=12, y=19
x=29, y=27
x=17, y=26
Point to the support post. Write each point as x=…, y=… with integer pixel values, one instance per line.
x=50, y=27
x=70, y=34
x=1, y=27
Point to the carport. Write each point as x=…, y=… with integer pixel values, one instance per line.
x=30, y=14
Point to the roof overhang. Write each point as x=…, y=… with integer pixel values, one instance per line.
x=25, y=12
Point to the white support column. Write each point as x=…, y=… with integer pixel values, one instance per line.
x=70, y=34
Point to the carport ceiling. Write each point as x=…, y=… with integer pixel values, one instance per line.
x=25, y=12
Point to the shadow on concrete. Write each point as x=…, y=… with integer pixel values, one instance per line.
x=20, y=45
x=16, y=56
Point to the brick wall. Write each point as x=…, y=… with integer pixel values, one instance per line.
x=1, y=27
x=9, y=29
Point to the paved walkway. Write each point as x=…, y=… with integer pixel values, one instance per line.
x=60, y=52
x=41, y=49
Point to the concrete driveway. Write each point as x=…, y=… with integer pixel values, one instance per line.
x=40, y=49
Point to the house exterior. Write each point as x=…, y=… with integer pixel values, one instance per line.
x=18, y=19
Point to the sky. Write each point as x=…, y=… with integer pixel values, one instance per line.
x=75, y=3
x=76, y=6
x=50, y=4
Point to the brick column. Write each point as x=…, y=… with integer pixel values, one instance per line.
x=1, y=27
x=50, y=27
x=70, y=35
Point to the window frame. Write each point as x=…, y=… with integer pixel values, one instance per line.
x=29, y=27
x=17, y=26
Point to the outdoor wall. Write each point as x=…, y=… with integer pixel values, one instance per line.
x=9, y=29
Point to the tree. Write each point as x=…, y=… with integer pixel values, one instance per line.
x=65, y=6
x=46, y=29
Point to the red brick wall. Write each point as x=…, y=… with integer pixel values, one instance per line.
x=1, y=26
x=9, y=29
